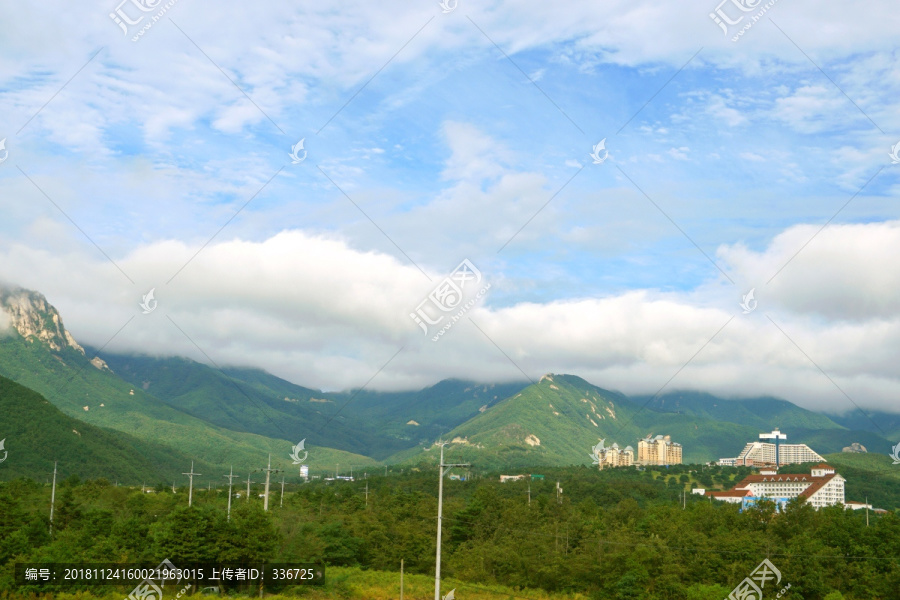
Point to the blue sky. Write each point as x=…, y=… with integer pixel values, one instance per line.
x=435, y=137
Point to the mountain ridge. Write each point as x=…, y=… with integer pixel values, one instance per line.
x=219, y=414
x=90, y=392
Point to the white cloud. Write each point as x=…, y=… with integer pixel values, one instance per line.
x=813, y=108
x=843, y=273
x=165, y=81
x=679, y=153
x=719, y=110
x=474, y=155
x=329, y=309
x=319, y=313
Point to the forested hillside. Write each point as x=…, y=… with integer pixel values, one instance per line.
x=619, y=533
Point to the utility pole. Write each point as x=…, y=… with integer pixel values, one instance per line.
x=529, y=493
x=559, y=492
x=442, y=472
x=269, y=470
x=281, y=504
x=248, y=487
x=401, y=579
x=230, y=476
x=867, y=511
x=52, y=497
x=367, y=495
x=385, y=470
x=191, y=488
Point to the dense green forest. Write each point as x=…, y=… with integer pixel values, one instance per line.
x=618, y=534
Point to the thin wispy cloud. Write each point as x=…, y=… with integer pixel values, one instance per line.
x=434, y=137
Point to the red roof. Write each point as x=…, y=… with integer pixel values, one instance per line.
x=823, y=466
x=741, y=489
x=778, y=477
x=817, y=485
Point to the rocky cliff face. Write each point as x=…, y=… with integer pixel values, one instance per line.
x=34, y=318
x=855, y=447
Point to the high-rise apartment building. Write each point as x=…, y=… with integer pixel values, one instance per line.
x=659, y=450
x=772, y=453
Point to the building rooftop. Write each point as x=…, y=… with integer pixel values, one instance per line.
x=742, y=488
x=735, y=493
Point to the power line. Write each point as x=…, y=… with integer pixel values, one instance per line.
x=269, y=470
x=440, y=517
x=230, y=476
x=52, y=498
x=191, y=488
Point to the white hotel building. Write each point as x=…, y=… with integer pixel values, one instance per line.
x=769, y=453
x=822, y=487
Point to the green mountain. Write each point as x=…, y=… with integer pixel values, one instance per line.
x=38, y=352
x=831, y=441
x=424, y=415
x=237, y=416
x=36, y=433
x=553, y=422
x=764, y=413
x=869, y=476
x=254, y=401
x=884, y=424
x=373, y=423
x=558, y=420
x=749, y=416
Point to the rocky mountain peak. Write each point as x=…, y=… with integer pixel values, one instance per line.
x=36, y=319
